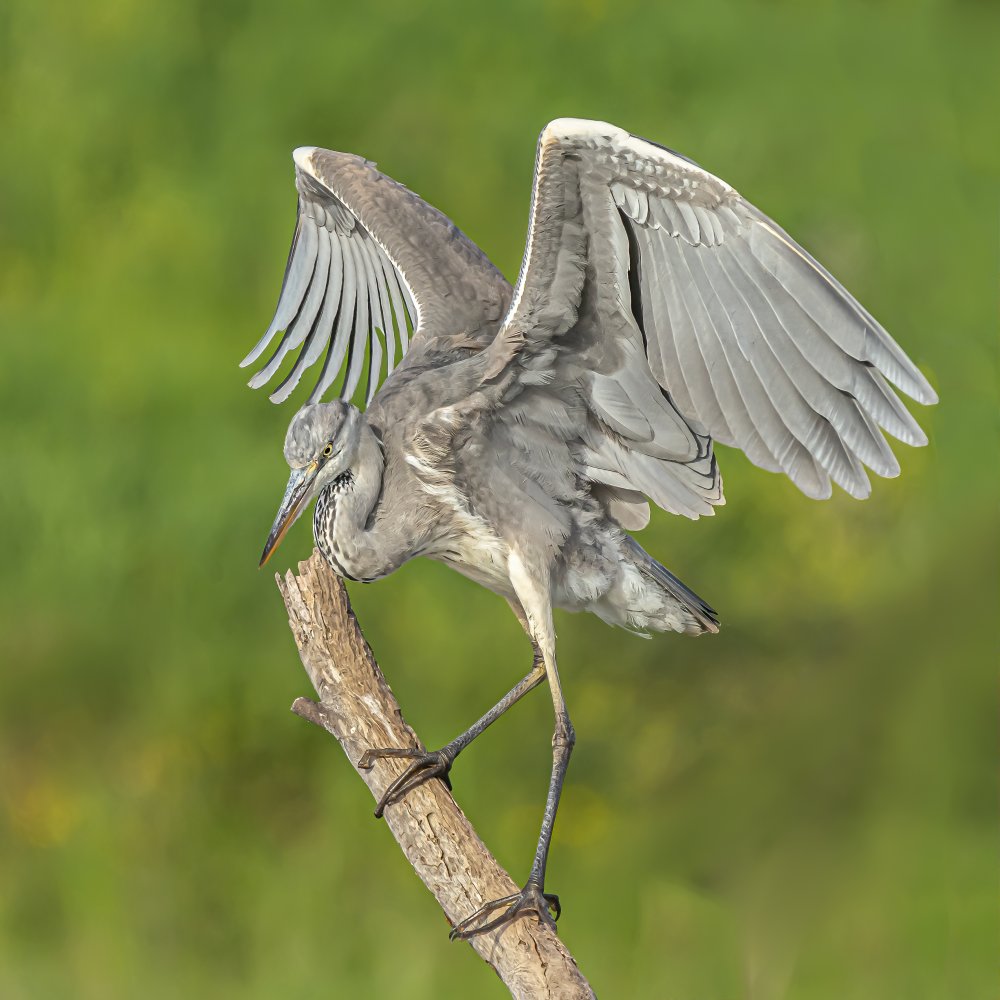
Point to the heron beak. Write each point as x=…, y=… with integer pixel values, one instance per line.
x=296, y=493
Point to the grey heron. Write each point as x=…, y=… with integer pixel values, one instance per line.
x=517, y=434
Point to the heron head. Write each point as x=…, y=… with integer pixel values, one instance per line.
x=321, y=445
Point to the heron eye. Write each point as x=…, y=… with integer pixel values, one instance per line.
x=328, y=451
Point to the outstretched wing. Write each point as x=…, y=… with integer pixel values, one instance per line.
x=684, y=313
x=370, y=264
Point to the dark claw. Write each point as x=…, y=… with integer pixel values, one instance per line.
x=530, y=899
x=426, y=765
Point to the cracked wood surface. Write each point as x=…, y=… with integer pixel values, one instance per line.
x=358, y=708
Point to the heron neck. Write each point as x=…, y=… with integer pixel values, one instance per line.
x=345, y=524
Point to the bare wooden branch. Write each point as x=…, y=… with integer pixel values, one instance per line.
x=356, y=706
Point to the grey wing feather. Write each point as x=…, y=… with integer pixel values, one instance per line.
x=368, y=255
x=388, y=327
x=318, y=335
x=343, y=334
x=683, y=314
x=358, y=344
x=399, y=310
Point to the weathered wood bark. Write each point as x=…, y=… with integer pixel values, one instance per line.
x=356, y=706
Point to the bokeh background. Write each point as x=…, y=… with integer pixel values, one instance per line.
x=800, y=807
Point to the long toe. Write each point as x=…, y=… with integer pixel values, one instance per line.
x=530, y=900
x=423, y=766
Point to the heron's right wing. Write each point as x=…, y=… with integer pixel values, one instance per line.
x=371, y=258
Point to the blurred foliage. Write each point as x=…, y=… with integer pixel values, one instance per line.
x=801, y=807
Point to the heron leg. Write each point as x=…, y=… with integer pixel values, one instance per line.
x=437, y=763
x=533, y=898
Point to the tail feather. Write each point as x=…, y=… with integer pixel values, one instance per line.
x=703, y=613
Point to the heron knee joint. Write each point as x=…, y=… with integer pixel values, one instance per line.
x=565, y=735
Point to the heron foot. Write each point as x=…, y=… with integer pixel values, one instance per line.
x=425, y=765
x=531, y=899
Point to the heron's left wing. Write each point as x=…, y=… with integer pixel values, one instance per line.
x=372, y=267
x=683, y=314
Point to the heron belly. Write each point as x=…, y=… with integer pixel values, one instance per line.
x=476, y=553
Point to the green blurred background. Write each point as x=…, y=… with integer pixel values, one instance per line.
x=801, y=807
